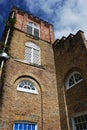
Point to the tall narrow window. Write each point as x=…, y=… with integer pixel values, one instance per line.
x=32, y=53
x=33, y=29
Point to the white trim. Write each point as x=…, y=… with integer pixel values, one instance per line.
x=73, y=125
x=28, y=84
x=28, y=63
x=32, y=45
x=26, y=90
x=80, y=113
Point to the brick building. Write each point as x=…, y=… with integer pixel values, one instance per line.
x=43, y=82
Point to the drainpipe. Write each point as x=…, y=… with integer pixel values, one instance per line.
x=66, y=109
x=4, y=54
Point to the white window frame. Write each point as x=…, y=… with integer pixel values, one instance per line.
x=22, y=89
x=36, y=47
x=79, y=123
x=34, y=26
x=24, y=123
x=75, y=82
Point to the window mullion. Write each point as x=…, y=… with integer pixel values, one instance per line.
x=31, y=126
x=33, y=29
x=18, y=126
x=27, y=126
x=74, y=78
x=32, y=51
x=39, y=57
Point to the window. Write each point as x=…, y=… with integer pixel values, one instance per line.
x=32, y=53
x=80, y=122
x=25, y=126
x=73, y=79
x=27, y=86
x=33, y=29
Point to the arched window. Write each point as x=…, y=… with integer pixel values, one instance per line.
x=32, y=53
x=27, y=86
x=33, y=29
x=73, y=79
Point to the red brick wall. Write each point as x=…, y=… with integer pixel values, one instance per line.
x=46, y=29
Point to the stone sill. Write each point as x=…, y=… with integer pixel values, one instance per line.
x=31, y=64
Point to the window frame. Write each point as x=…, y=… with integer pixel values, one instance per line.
x=22, y=89
x=21, y=122
x=74, y=79
x=33, y=47
x=78, y=122
x=33, y=26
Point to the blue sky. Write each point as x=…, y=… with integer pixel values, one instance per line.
x=67, y=16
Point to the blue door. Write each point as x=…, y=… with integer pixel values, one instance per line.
x=25, y=126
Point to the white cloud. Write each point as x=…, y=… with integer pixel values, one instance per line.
x=61, y=33
x=68, y=16
x=73, y=17
x=46, y=6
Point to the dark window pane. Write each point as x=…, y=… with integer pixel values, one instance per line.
x=77, y=127
x=75, y=120
x=25, y=126
x=80, y=127
x=77, y=77
x=28, y=87
x=29, y=29
x=33, y=88
x=29, y=126
x=25, y=86
x=79, y=119
x=36, y=32
x=16, y=126
x=20, y=86
x=33, y=126
x=86, y=117
x=85, y=126
x=71, y=81
x=20, y=126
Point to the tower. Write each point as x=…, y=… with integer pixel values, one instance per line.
x=29, y=94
